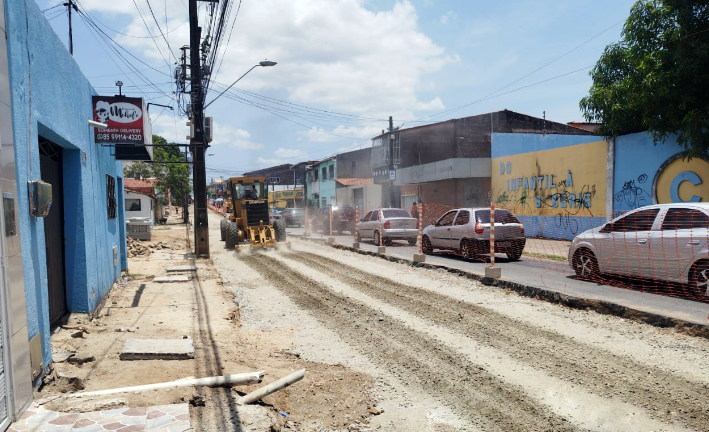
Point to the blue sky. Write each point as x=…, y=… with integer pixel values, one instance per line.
x=416, y=60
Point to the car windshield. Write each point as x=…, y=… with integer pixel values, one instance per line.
x=248, y=191
x=396, y=213
x=501, y=216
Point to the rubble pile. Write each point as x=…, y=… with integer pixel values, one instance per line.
x=159, y=246
x=135, y=248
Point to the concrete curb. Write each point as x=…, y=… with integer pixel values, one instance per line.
x=600, y=306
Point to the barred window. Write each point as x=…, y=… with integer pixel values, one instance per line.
x=111, y=195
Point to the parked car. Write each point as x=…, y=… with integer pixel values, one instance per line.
x=665, y=242
x=293, y=216
x=468, y=231
x=343, y=219
x=396, y=224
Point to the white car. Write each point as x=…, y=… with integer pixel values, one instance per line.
x=468, y=231
x=665, y=242
x=395, y=224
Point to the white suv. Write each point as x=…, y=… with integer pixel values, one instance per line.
x=666, y=242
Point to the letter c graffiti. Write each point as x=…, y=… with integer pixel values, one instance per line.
x=678, y=180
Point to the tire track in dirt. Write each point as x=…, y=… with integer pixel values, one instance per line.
x=477, y=396
x=668, y=398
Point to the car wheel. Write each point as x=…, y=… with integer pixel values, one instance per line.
x=700, y=278
x=426, y=246
x=377, y=240
x=516, y=252
x=586, y=264
x=388, y=241
x=468, y=249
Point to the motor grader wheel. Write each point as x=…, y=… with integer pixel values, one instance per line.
x=280, y=230
x=222, y=228
x=233, y=235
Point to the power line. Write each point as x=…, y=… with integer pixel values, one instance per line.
x=169, y=68
x=127, y=35
x=160, y=29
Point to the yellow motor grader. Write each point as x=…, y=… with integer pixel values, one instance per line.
x=248, y=214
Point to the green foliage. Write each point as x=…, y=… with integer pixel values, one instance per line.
x=169, y=169
x=137, y=170
x=657, y=77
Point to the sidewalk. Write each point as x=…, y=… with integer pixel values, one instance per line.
x=86, y=351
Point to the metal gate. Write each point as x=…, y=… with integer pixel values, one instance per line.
x=50, y=157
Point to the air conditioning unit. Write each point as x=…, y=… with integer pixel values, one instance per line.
x=208, y=129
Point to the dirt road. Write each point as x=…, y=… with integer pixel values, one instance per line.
x=448, y=353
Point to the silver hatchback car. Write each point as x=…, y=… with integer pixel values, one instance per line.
x=396, y=224
x=665, y=242
x=468, y=231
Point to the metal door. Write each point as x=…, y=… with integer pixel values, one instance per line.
x=359, y=200
x=50, y=157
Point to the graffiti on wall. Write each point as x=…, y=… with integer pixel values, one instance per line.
x=633, y=195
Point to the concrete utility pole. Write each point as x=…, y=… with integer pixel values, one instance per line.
x=198, y=143
x=391, y=161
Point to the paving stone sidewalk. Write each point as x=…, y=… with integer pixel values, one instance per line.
x=163, y=418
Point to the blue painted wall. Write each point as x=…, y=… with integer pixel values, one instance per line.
x=637, y=161
x=328, y=186
x=52, y=98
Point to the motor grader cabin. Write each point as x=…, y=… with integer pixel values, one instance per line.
x=248, y=217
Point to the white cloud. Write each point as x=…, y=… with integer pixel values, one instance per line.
x=337, y=55
x=447, y=17
x=263, y=161
x=233, y=137
x=288, y=153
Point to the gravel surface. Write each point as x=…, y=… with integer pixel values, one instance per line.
x=453, y=354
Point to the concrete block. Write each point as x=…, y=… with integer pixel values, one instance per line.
x=355, y=245
x=381, y=249
x=419, y=258
x=493, y=272
x=330, y=240
x=166, y=279
x=157, y=349
x=181, y=269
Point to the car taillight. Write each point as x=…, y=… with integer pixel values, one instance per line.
x=387, y=225
x=288, y=215
x=522, y=230
x=478, y=228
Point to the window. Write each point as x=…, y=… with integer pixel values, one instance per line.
x=375, y=215
x=463, y=217
x=111, y=196
x=681, y=218
x=366, y=217
x=315, y=172
x=447, y=219
x=501, y=217
x=324, y=173
x=324, y=201
x=396, y=213
x=332, y=171
x=132, y=204
x=638, y=221
x=354, y=164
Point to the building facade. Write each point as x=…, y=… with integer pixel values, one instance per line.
x=70, y=258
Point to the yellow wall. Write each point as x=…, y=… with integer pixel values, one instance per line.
x=696, y=166
x=568, y=180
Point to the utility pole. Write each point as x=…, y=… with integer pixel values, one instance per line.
x=70, y=5
x=391, y=161
x=198, y=143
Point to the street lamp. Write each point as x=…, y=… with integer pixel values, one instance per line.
x=265, y=63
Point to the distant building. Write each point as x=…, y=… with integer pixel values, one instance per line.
x=322, y=176
x=448, y=162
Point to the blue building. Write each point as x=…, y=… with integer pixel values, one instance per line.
x=67, y=261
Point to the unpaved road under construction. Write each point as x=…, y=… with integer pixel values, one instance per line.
x=452, y=354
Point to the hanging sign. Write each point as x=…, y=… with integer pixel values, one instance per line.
x=124, y=117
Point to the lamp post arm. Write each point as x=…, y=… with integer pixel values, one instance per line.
x=230, y=86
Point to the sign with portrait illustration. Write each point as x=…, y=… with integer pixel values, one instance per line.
x=124, y=117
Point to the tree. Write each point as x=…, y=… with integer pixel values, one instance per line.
x=656, y=78
x=137, y=170
x=170, y=170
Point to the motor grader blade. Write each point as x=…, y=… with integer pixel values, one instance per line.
x=262, y=236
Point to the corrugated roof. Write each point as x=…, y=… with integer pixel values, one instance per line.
x=354, y=181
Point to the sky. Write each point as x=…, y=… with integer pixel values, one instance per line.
x=345, y=66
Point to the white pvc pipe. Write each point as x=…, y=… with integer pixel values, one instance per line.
x=235, y=379
x=271, y=388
